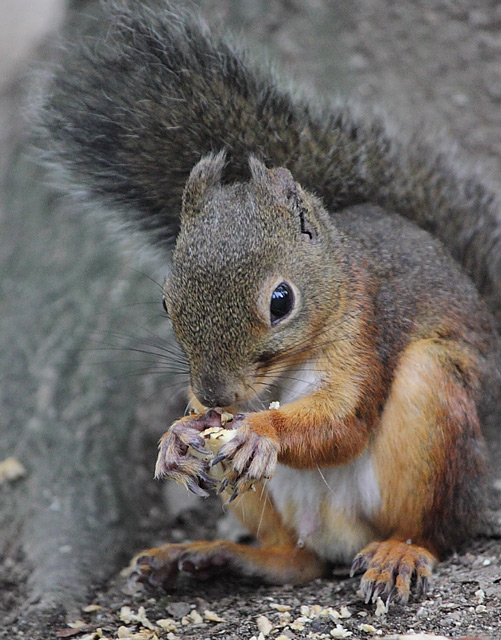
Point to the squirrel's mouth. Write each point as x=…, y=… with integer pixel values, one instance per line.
x=221, y=392
x=253, y=393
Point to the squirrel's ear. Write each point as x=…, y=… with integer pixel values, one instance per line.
x=205, y=174
x=278, y=183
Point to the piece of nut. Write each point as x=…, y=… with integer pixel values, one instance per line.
x=215, y=438
x=226, y=417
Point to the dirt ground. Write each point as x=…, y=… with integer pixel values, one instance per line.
x=434, y=62
x=465, y=600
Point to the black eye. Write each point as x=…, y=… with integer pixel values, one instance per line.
x=282, y=303
x=164, y=305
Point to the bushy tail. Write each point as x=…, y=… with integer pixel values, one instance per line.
x=131, y=111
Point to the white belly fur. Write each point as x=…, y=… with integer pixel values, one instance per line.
x=329, y=508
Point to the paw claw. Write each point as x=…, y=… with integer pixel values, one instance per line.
x=198, y=444
x=359, y=564
x=177, y=462
x=187, y=566
x=222, y=486
x=155, y=568
x=422, y=586
x=195, y=488
x=219, y=458
x=207, y=481
x=251, y=457
x=391, y=568
x=379, y=591
x=394, y=595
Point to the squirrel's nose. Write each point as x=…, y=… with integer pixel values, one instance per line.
x=212, y=399
x=214, y=393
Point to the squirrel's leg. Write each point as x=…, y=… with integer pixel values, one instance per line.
x=428, y=459
x=278, y=561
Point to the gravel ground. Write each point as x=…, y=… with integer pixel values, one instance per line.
x=465, y=600
x=437, y=62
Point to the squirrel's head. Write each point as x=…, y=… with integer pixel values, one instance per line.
x=252, y=278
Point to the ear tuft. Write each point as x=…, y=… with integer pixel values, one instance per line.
x=204, y=175
x=277, y=183
x=279, y=186
x=258, y=170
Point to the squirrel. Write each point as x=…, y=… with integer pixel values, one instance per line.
x=317, y=262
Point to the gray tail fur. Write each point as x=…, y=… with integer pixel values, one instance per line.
x=131, y=111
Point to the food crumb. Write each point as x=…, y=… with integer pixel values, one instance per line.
x=264, y=625
x=381, y=608
x=368, y=628
x=195, y=617
x=91, y=608
x=479, y=596
x=340, y=632
x=129, y=617
x=167, y=624
x=212, y=616
x=77, y=624
x=284, y=618
x=11, y=469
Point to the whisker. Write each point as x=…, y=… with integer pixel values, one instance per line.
x=159, y=344
x=162, y=342
x=256, y=397
x=188, y=407
x=152, y=362
x=306, y=346
x=290, y=378
x=305, y=341
x=325, y=481
x=128, y=305
x=148, y=277
x=133, y=349
x=267, y=498
x=149, y=371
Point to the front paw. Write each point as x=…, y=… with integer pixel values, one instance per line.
x=177, y=462
x=391, y=568
x=249, y=457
